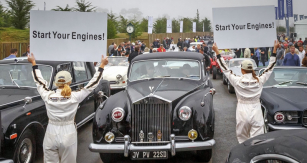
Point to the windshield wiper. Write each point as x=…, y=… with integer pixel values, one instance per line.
x=13, y=81
x=301, y=83
x=285, y=82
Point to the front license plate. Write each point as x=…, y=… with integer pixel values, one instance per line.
x=138, y=155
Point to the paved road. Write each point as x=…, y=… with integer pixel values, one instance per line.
x=225, y=136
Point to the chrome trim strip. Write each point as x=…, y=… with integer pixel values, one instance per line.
x=275, y=127
x=153, y=142
x=19, y=100
x=272, y=156
x=125, y=148
x=88, y=118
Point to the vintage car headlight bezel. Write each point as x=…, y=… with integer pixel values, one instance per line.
x=107, y=135
x=119, y=77
x=118, y=109
x=186, y=109
x=279, y=113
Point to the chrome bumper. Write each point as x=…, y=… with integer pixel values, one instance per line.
x=172, y=146
x=117, y=87
x=278, y=127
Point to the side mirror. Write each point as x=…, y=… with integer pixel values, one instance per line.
x=27, y=100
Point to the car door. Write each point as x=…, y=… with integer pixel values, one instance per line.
x=86, y=108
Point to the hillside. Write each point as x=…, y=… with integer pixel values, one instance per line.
x=14, y=35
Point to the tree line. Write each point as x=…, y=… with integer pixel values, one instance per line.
x=17, y=15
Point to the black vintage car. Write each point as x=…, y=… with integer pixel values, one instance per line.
x=284, y=99
x=167, y=107
x=274, y=147
x=23, y=113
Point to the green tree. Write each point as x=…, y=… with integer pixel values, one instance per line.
x=83, y=6
x=175, y=26
x=137, y=30
x=122, y=24
x=207, y=24
x=199, y=24
x=19, y=12
x=144, y=25
x=111, y=29
x=1, y=15
x=160, y=25
x=58, y=8
x=187, y=25
x=281, y=29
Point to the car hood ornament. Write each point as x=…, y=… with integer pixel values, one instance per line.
x=141, y=136
x=151, y=88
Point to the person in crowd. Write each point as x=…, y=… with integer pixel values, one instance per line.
x=185, y=49
x=151, y=47
x=127, y=48
x=118, y=51
x=161, y=49
x=198, y=47
x=14, y=53
x=113, y=51
x=154, y=51
x=304, y=62
x=263, y=55
x=238, y=52
x=210, y=42
x=110, y=48
x=134, y=53
x=132, y=47
x=185, y=43
x=291, y=59
x=280, y=55
x=179, y=38
x=256, y=56
x=252, y=52
x=60, y=141
x=305, y=42
x=164, y=43
x=248, y=88
x=247, y=53
x=205, y=47
x=143, y=46
x=179, y=44
x=300, y=40
x=207, y=58
x=301, y=53
x=27, y=52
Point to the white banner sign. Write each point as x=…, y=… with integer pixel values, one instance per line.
x=194, y=26
x=181, y=26
x=238, y=27
x=169, y=26
x=68, y=36
x=150, y=24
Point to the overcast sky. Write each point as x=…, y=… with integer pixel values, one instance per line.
x=170, y=8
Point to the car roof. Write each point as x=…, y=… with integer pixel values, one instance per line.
x=25, y=61
x=168, y=55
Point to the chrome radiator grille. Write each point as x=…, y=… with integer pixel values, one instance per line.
x=151, y=115
x=305, y=118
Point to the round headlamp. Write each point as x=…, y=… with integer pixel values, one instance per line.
x=279, y=117
x=192, y=134
x=119, y=77
x=184, y=113
x=109, y=137
x=118, y=114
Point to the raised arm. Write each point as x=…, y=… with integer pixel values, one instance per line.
x=39, y=80
x=268, y=71
x=228, y=73
x=93, y=83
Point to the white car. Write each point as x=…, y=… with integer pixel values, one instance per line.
x=116, y=72
x=195, y=45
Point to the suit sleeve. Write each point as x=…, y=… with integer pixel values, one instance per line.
x=228, y=73
x=208, y=61
x=268, y=71
x=40, y=83
x=93, y=83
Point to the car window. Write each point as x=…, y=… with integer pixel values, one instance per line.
x=79, y=71
x=172, y=68
x=64, y=67
x=21, y=75
x=89, y=74
x=283, y=77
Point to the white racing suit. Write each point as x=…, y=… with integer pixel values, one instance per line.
x=249, y=115
x=60, y=142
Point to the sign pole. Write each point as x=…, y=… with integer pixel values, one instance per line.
x=130, y=37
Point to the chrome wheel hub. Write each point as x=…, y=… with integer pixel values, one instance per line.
x=25, y=151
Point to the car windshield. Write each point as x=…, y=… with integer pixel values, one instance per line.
x=117, y=61
x=285, y=77
x=171, y=68
x=20, y=75
x=237, y=63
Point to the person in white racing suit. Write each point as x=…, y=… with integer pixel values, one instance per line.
x=60, y=141
x=248, y=88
